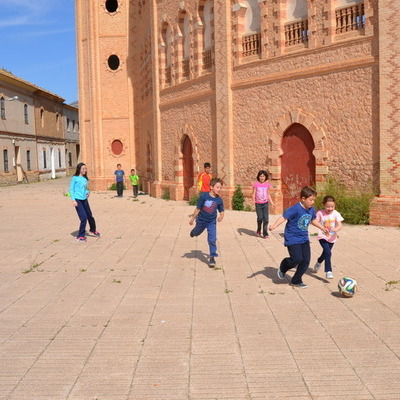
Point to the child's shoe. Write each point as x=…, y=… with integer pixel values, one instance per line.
x=280, y=274
x=212, y=263
x=95, y=233
x=317, y=266
x=329, y=275
x=258, y=233
x=81, y=239
x=265, y=236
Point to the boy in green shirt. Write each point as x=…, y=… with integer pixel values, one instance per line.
x=134, y=178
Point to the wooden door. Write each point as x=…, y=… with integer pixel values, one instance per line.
x=297, y=163
x=187, y=152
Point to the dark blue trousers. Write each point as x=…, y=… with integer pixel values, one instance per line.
x=326, y=254
x=212, y=234
x=262, y=217
x=300, y=255
x=85, y=215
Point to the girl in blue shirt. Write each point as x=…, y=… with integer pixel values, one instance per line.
x=79, y=195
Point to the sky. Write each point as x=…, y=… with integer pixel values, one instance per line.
x=38, y=44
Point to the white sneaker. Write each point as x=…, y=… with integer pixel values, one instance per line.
x=329, y=275
x=317, y=266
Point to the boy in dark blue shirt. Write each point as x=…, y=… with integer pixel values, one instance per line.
x=298, y=218
x=206, y=213
x=119, y=177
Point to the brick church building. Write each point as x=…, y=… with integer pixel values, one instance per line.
x=307, y=89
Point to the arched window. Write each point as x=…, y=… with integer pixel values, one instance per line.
x=167, y=42
x=251, y=42
x=3, y=108
x=42, y=117
x=26, y=119
x=206, y=11
x=184, y=26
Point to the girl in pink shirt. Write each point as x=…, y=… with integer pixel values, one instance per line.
x=262, y=198
x=332, y=220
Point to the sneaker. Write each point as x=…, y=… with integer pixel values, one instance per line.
x=281, y=275
x=299, y=285
x=212, y=263
x=329, y=275
x=317, y=266
x=81, y=239
x=95, y=233
x=259, y=234
x=265, y=236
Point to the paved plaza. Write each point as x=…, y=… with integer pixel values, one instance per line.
x=138, y=314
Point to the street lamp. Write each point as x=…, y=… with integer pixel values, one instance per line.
x=12, y=98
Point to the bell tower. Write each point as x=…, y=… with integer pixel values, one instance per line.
x=105, y=89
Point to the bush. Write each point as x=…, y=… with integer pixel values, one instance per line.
x=353, y=204
x=193, y=200
x=166, y=195
x=113, y=186
x=238, y=199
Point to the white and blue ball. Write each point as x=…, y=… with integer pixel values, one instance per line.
x=347, y=286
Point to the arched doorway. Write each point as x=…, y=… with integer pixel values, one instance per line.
x=297, y=163
x=187, y=163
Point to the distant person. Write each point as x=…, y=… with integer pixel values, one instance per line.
x=134, y=178
x=79, y=193
x=262, y=199
x=206, y=217
x=119, y=177
x=298, y=219
x=331, y=220
x=204, y=179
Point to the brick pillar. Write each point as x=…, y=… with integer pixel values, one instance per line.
x=223, y=97
x=385, y=209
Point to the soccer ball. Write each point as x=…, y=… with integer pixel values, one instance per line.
x=347, y=286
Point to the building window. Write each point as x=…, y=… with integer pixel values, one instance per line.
x=350, y=18
x=58, y=121
x=42, y=117
x=68, y=124
x=59, y=158
x=111, y=6
x=28, y=160
x=44, y=160
x=73, y=125
x=3, y=108
x=70, y=159
x=26, y=114
x=206, y=12
x=5, y=157
x=113, y=62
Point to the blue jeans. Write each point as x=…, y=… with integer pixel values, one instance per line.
x=120, y=189
x=326, y=254
x=212, y=234
x=300, y=255
x=85, y=215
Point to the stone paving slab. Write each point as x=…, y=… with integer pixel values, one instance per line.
x=137, y=314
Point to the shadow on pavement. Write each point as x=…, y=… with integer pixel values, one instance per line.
x=203, y=257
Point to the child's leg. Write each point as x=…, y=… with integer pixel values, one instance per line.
x=303, y=264
x=326, y=254
x=135, y=190
x=259, y=214
x=80, y=209
x=212, y=238
x=265, y=219
x=198, y=229
x=92, y=222
x=295, y=258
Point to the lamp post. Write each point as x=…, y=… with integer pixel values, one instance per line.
x=12, y=98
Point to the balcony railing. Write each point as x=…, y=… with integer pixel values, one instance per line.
x=350, y=18
x=251, y=44
x=168, y=75
x=296, y=33
x=207, y=59
x=185, y=68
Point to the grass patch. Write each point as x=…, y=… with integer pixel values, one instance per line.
x=34, y=267
x=193, y=200
x=238, y=199
x=113, y=186
x=116, y=281
x=353, y=204
x=166, y=195
x=391, y=285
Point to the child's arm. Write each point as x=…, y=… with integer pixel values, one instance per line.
x=338, y=226
x=278, y=222
x=194, y=216
x=316, y=223
x=254, y=195
x=270, y=200
x=221, y=216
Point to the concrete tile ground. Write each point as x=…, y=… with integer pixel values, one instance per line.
x=137, y=314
